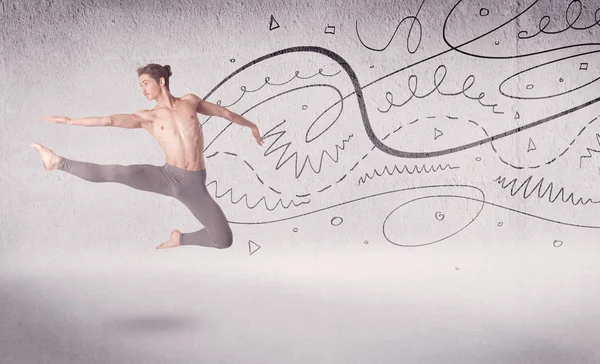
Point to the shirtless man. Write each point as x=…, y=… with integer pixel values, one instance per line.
x=174, y=123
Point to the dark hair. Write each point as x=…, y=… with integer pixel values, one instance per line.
x=156, y=71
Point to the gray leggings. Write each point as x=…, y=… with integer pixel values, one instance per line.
x=189, y=187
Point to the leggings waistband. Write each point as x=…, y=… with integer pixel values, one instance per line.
x=183, y=171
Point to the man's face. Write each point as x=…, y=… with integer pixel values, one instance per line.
x=150, y=88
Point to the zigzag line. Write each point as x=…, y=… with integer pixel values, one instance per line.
x=280, y=164
x=245, y=195
x=405, y=169
x=589, y=150
x=525, y=185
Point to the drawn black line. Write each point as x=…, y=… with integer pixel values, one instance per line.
x=538, y=187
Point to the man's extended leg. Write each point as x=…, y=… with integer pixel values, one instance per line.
x=144, y=177
x=216, y=232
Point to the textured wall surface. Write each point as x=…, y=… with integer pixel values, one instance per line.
x=439, y=157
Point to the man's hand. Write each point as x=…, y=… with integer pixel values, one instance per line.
x=57, y=119
x=256, y=134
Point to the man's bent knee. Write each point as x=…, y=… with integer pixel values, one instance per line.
x=225, y=243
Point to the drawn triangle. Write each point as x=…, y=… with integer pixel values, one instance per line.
x=437, y=133
x=252, y=247
x=273, y=24
x=531, y=146
x=517, y=116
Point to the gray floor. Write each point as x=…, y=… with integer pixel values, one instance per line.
x=283, y=305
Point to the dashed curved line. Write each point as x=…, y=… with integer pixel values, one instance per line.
x=590, y=150
x=553, y=159
x=538, y=187
x=344, y=141
x=532, y=166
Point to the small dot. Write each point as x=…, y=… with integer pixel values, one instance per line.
x=232, y=60
x=500, y=223
x=295, y=230
x=304, y=107
x=496, y=42
x=529, y=87
x=478, y=159
x=366, y=242
x=371, y=66
x=457, y=268
x=560, y=80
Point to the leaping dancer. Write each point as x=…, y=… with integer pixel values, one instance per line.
x=174, y=124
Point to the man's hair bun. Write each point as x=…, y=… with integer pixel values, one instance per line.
x=168, y=69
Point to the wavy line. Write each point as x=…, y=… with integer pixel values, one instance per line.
x=267, y=78
x=590, y=150
x=363, y=109
x=526, y=194
x=419, y=188
x=245, y=196
x=405, y=169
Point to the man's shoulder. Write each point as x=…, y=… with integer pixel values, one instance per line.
x=191, y=97
x=143, y=113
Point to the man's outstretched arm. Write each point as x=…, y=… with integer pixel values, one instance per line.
x=207, y=108
x=129, y=121
x=91, y=121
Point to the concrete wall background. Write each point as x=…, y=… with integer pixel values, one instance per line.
x=483, y=254
x=79, y=58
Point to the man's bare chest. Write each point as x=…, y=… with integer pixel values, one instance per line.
x=174, y=127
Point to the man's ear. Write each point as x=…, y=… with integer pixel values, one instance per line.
x=161, y=81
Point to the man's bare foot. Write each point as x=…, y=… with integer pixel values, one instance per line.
x=50, y=159
x=172, y=242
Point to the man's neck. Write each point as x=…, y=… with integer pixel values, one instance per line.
x=166, y=100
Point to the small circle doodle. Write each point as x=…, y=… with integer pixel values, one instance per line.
x=335, y=220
